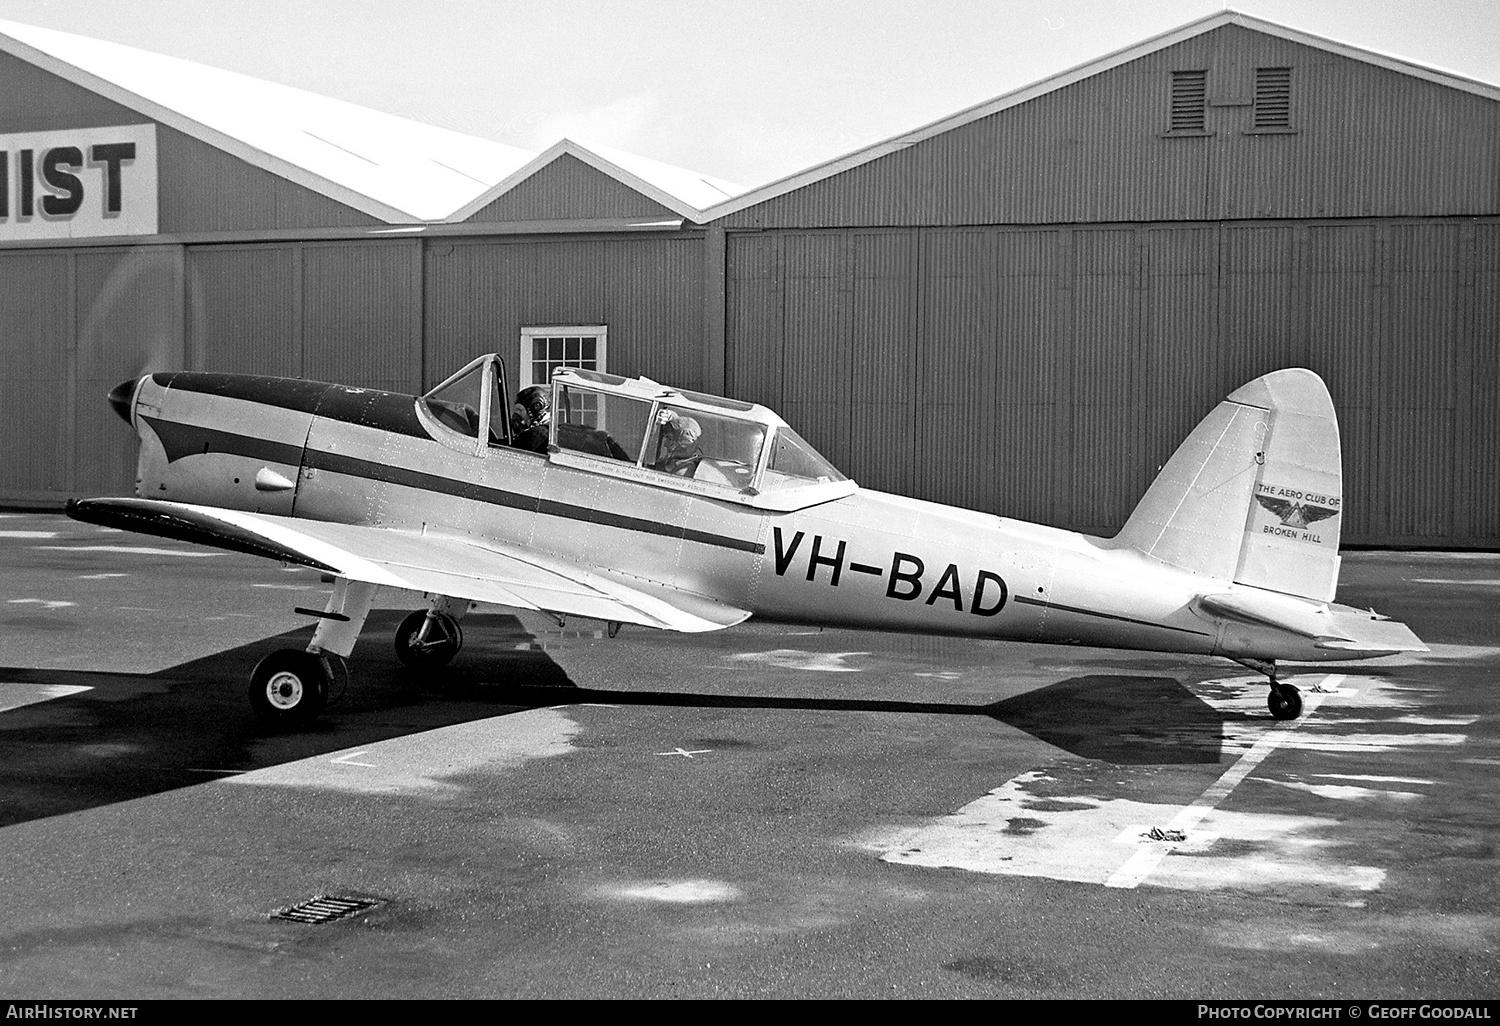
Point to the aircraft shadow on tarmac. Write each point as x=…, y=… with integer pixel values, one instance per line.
x=133, y=735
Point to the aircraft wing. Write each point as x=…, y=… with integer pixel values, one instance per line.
x=478, y=570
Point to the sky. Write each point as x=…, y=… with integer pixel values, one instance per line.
x=746, y=90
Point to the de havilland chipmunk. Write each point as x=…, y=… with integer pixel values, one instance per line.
x=683, y=511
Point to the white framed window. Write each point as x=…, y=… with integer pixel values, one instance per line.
x=548, y=347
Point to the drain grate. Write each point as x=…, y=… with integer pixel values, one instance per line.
x=324, y=909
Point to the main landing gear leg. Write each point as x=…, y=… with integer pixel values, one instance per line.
x=431, y=637
x=1284, y=701
x=290, y=687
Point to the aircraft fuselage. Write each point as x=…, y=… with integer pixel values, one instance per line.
x=866, y=560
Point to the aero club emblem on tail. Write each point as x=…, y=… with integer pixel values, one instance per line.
x=1297, y=511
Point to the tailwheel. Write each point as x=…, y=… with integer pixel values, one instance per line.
x=1285, y=701
x=290, y=687
x=427, y=640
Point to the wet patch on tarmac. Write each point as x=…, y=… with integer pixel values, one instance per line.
x=531, y=830
x=1098, y=820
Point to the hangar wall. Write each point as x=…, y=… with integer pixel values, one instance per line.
x=1364, y=141
x=569, y=188
x=1046, y=373
x=1027, y=310
x=647, y=289
x=1024, y=313
x=397, y=314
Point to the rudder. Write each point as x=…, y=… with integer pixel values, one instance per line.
x=1255, y=494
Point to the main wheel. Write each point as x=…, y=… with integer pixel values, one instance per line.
x=289, y=687
x=1285, y=702
x=444, y=639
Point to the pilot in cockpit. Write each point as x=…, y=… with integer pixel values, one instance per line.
x=531, y=419
x=679, y=451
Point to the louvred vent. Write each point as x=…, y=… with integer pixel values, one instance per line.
x=1189, y=100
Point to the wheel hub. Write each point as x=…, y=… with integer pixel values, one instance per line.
x=284, y=690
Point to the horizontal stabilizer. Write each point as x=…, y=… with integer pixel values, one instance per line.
x=1366, y=632
x=1267, y=609
x=1337, y=628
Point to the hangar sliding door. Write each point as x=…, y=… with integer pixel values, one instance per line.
x=646, y=291
x=821, y=327
x=361, y=306
x=336, y=311
x=128, y=321
x=244, y=309
x=35, y=398
x=72, y=326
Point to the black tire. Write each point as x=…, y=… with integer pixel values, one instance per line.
x=444, y=640
x=1285, y=702
x=289, y=687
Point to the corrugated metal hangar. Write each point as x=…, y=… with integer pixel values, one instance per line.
x=1022, y=308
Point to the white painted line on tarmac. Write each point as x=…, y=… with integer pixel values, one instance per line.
x=673, y=892
x=28, y=534
x=14, y=695
x=1482, y=583
x=99, y=577
x=1341, y=792
x=686, y=754
x=798, y=659
x=1147, y=858
x=49, y=603
x=1438, y=721
x=348, y=760
x=1370, y=778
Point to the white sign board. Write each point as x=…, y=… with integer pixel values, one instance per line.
x=78, y=183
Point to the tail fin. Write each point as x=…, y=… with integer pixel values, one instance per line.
x=1255, y=494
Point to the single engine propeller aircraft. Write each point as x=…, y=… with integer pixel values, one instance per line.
x=1233, y=550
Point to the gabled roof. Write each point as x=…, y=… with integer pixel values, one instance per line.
x=838, y=165
x=392, y=168
x=383, y=165
x=682, y=191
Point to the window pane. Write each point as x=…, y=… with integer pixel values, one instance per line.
x=550, y=352
x=600, y=425
x=457, y=405
x=704, y=446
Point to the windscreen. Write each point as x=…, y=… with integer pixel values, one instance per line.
x=794, y=463
x=456, y=404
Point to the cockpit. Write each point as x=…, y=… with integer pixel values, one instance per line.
x=707, y=443
x=469, y=400
x=645, y=431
